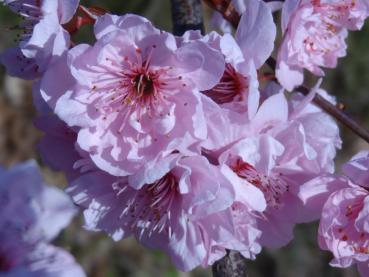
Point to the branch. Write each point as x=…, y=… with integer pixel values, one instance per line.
x=231, y=265
x=229, y=13
x=186, y=15
x=338, y=114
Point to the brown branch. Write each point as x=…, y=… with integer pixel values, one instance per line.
x=231, y=265
x=337, y=113
x=187, y=15
x=230, y=14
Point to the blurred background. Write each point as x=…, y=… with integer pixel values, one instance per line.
x=97, y=253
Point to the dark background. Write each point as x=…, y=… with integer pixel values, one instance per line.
x=98, y=254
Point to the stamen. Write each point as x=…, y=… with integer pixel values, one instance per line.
x=149, y=209
x=132, y=85
x=230, y=87
x=358, y=241
x=273, y=188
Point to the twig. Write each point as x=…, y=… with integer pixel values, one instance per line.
x=337, y=113
x=186, y=15
x=231, y=265
x=229, y=13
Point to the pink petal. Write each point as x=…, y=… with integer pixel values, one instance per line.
x=256, y=32
x=206, y=67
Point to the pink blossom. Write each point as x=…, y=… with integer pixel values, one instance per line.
x=310, y=136
x=43, y=38
x=311, y=132
x=314, y=36
x=237, y=90
x=186, y=212
x=31, y=215
x=252, y=45
x=194, y=215
x=344, y=225
x=277, y=153
x=252, y=161
x=136, y=94
x=304, y=162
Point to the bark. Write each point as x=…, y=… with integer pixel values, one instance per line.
x=231, y=265
x=187, y=15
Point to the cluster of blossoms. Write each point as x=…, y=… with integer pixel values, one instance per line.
x=182, y=143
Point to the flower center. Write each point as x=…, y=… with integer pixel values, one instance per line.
x=359, y=241
x=325, y=40
x=149, y=210
x=230, y=87
x=143, y=85
x=272, y=188
x=333, y=16
x=128, y=84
